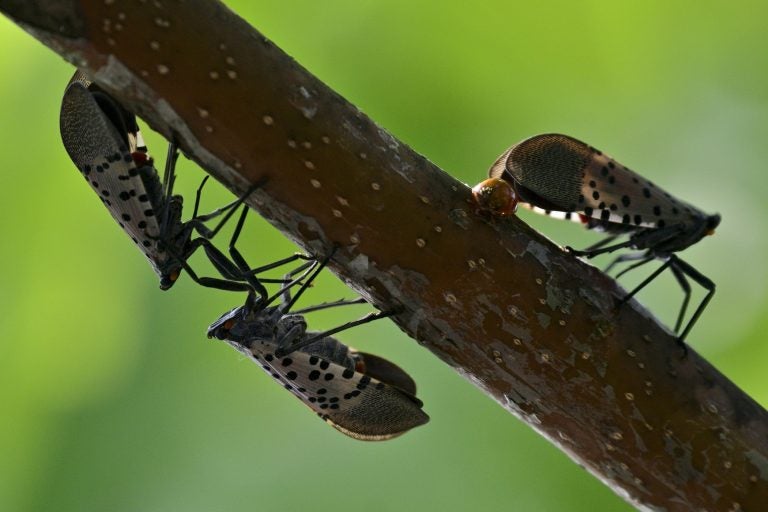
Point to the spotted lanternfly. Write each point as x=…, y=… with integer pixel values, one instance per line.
x=561, y=176
x=103, y=139
x=495, y=196
x=361, y=395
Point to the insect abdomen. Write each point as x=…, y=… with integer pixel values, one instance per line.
x=331, y=349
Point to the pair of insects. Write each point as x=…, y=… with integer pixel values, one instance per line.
x=564, y=177
x=362, y=395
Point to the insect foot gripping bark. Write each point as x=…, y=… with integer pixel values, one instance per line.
x=560, y=176
x=361, y=395
x=103, y=140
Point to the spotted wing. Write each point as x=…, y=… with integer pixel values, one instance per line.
x=354, y=403
x=103, y=141
x=385, y=371
x=559, y=174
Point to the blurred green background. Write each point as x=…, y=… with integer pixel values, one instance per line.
x=112, y=398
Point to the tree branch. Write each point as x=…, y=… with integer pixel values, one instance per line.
x=538, y=330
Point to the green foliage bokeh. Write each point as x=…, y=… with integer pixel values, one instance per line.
x=112, y=398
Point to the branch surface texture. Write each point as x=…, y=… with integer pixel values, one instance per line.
x=535, y=328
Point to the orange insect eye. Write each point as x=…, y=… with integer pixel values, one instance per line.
x=495, y=196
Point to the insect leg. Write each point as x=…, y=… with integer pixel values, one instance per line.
x=290, y=282
x=591, y=253
x=295, y=332
x=223, y=265
x=648, y=279
x=197, y=222
x=233, y=285
x=229, y=269
x=327, y=305
x=234, y=279
x=705, y=283
x=237, y=268
x=601, y=243
x=219, y=284
x=624, y=257
x=169, y=176
x=645, y=239
x=243, y=271
x=370, y=317
x=635, y=265
x=285, y=261
x=683, y=282
x=286, y=306
x=243, y=265
x=198, y=195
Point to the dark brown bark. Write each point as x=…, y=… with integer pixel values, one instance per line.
x=538, y=330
